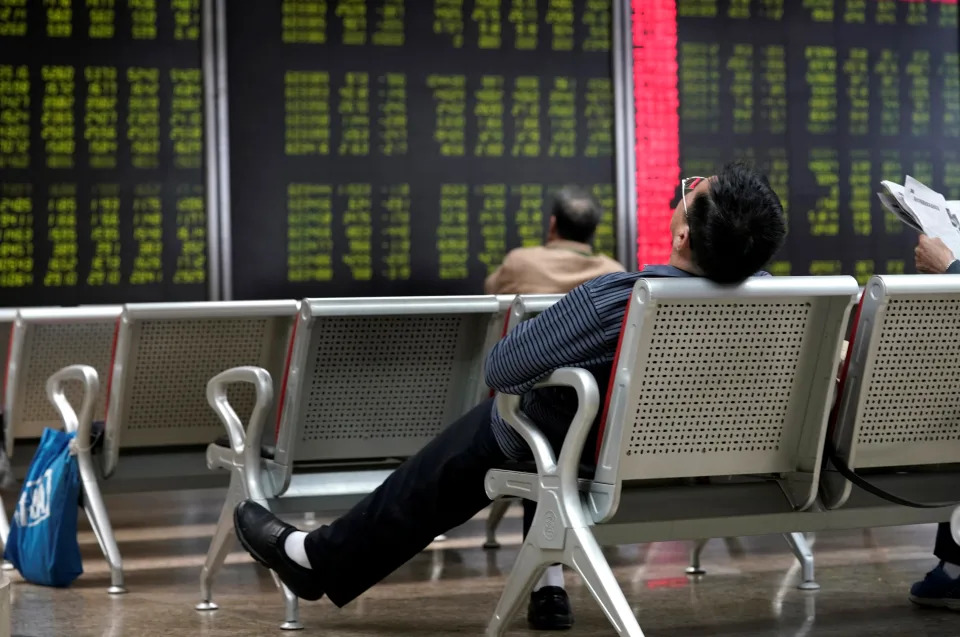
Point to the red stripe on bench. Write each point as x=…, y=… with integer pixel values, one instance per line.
x=841, y=381
x=613, y=378
x=286, y=376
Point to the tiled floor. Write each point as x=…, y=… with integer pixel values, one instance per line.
x=452, y=588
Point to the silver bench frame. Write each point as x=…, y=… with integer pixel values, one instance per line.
x=885, y=300
x=177, y=468
x=25, y=352
x=525, y=306
x=574, y=517
x=80, y=423
x=522, y=307
x=128, y=356
x=333, y=481
x=18, y=358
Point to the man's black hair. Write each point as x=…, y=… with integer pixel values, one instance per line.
x=736, y=226
x=577, y=213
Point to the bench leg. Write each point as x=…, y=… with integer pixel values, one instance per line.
x=530, y=564
x=108, y=543
x=584, y=554
x=219, y=545
x=100, y=522
x=695, y=568
x=4, y=533
x=801, y=548
x=291, y=608
x=581, y=552
x=497, y=510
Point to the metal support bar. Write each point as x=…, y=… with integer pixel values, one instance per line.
x=4, y=534
x=561, y=532
x=497, y=510
x=955, y=525
x=80, y=426
x=800, y=547
x=223, y=150
x=245, y=465
x=695, y=568
x=622, y=50
x=220, y=543
x=210, y=133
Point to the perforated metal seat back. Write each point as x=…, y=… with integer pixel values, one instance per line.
x=383, y=386
x=47, y=348
x=902, y=392
x=719, y=385
x=167, y=368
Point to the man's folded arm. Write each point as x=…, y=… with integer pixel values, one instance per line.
x=569, y=333
x=953, y=268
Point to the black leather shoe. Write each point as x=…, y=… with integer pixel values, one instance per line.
x=263, y=534
x=549, y=609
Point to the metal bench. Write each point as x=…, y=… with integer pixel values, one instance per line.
x=165, y=355
x=157, y=413
x=367, y=384
x=42, y=342
x=525, y=307
x=714, y=426
x=898, y=420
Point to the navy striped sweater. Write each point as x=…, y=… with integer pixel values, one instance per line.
x=581, y=330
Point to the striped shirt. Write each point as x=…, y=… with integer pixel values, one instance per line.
x=581, y=330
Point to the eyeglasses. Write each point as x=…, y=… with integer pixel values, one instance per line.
x=687, y=185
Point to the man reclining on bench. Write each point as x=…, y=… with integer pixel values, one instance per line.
x=725, y=228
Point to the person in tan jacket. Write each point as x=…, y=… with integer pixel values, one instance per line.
x=564, y=262
x=566, y=259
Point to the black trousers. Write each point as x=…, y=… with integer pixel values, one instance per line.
x=437, y=489
x=946, y=549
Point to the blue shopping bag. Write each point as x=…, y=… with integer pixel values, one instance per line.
x=43, y=536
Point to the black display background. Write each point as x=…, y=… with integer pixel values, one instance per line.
x=257, y=60
x=795, y=31
x=35, y=50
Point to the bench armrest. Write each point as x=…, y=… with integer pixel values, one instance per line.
x=56, y=393
x=245, y=444
x=588, y=402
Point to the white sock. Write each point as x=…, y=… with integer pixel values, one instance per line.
x=553, y=576
x=953, y=570
x=295, y=549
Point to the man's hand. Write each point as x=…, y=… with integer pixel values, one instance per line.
x=932, y=255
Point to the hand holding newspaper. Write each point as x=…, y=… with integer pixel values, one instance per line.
x=924, y=210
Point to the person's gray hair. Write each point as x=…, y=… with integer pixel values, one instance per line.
x=577, y=213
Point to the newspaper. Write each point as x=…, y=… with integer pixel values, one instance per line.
x=893, y=200
x=924, y=210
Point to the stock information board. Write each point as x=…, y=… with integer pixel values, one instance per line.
x=391, y=147
x=101, y=152
x=829, y=97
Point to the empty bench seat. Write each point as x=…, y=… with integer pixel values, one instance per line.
x=368, y=383
x=898, y=419
x=44, y=341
